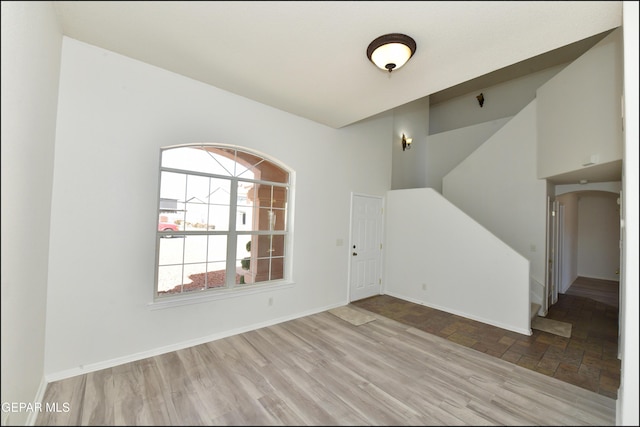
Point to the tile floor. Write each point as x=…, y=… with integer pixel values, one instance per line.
x=588, y=359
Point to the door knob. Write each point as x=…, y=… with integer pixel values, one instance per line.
x=355, y=253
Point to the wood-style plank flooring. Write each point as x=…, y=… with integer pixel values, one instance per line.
x=322, y=370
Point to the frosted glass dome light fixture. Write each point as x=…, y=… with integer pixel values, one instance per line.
x=391, y=51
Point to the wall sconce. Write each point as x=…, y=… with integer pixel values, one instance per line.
x=406, y=143
x=391, y=51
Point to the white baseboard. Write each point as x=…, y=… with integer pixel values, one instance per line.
x=523, y=331
x=84, y=369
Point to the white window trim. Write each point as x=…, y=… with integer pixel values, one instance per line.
x=221, y=294
x=195, y=297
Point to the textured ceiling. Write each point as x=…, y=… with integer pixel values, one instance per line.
x=309, y=58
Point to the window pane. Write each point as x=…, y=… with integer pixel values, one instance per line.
x=197, y=159
x=208, y=203
x=172, y=191
x=270, y=220
x=244, y=219
x=261, y=168
x=279, y=198
x=194, y=277
x=258, y=195
x=264, y=206
x=246, y=193
x=247, y=165
x=169, y=277
x=244, y=251
x=268, y=246
x=269, y=269
x=277, y=268
x=205, y=276
x=171, y=251
x=226, y=157
x=172, y=187
x=217, y=250
x=217, y=275
x=220, y=192
x=243, y=248
x=219, y=218
x=195, y=249
x=281, y=219
x=197, y=207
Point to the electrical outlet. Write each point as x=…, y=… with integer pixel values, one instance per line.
x=424, y=286
x=270, y=301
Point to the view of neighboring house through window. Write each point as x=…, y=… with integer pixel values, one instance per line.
x=222, y=219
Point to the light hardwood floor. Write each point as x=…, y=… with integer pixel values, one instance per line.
x=322, y=370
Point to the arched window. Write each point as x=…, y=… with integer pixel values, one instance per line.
x=222, y=220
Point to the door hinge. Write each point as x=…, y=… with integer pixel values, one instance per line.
x=379, y=281
x=380, y=245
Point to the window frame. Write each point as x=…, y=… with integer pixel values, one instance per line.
x=227, y=291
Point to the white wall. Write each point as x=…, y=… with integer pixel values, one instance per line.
x=628, y=394
x=114, y=115
x=31, y=45
x=579, y=111
x=446, y=150
x=412, y=120
x=497, y=186
x=501, y=100
x=438, y=256
x=598, y=235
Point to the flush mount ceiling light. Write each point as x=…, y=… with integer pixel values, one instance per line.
x=391, y=51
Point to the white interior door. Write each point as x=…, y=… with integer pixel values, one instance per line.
x=365, y=247
x=546, y=298
x=552, y=226
x=555, y=253
x=559, y=253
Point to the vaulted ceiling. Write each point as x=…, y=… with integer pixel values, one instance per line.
x=309, y=57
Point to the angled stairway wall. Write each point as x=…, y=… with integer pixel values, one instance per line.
x=576, y=115
x=497, y=186
x=437, y=255
x=506, y=183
